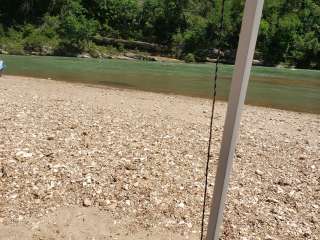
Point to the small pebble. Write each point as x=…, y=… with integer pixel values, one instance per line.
x=258, y=172
x=87, y=202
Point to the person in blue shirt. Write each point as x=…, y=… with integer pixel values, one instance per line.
x=1, y=67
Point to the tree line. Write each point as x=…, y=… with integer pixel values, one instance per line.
x=289, y=33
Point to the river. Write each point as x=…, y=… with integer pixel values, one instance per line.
x=297, y=90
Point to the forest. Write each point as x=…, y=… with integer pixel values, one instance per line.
x=184, y=29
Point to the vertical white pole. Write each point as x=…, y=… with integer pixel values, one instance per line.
x=246, y=47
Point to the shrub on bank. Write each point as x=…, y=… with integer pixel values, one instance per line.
x=189, y=58
x=14, y=48
x=12, y=42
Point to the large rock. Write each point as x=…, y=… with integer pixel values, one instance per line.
x=140, y=56
x=83, y=55
x=2, y=51
x=124, y=58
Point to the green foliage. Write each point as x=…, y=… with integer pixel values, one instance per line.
x=162, y=19
x=50, y=26
x=43, y=39
x=35, y=41
x=118, y=18
x=12, y=42
x=75, y=29
x=195, y=37
x=2, y=32
x=14, y=48
x=290, y=33
x=121, y=48
x=93, y=50
x=189, y=58
x=289, y=30
x=306, y=51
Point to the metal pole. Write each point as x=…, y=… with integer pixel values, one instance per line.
x=240, y=79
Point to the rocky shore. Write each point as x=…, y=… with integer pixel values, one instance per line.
x=127, y=55
x=137, y=160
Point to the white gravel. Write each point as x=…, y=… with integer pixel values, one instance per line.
x=141, y=157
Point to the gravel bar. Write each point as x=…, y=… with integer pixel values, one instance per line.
x=140, y=158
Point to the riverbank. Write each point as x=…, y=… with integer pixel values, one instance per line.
x=130, y=56
x=138, y=158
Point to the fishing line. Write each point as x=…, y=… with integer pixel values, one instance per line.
x=212, y=116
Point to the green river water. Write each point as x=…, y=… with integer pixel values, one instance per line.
x=297, y=90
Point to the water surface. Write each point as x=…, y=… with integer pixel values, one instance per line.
x=297, y=90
